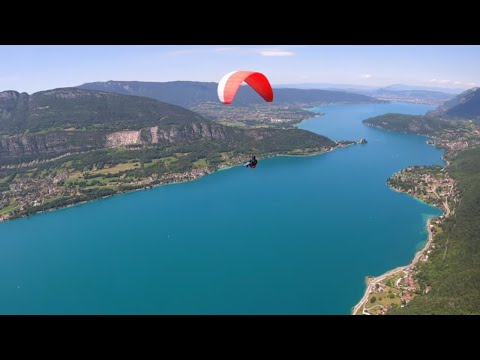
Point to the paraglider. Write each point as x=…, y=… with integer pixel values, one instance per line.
x=231, y=82
x=252, y=163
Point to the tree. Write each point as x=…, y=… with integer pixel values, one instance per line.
x=373, y=299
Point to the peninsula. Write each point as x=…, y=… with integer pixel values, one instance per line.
x=68, y=146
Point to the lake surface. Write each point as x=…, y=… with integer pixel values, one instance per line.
x=293, y=236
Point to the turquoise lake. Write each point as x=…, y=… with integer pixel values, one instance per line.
x=296, y=235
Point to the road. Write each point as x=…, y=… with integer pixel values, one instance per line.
x=372, y=284
x=376, y=280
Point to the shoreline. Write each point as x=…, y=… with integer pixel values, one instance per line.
x=414, y=198
x=148, y=187
x=339, y=146
x=372, y=281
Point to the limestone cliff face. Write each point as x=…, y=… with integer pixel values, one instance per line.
x=23, y=148
x=28, y=147
x=123, y=138
x=51, y=123
x=154, y=134
x=165, y=136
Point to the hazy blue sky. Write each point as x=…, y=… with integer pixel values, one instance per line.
x=34, y=68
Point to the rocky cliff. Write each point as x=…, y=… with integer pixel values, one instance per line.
x=52, y=123
x=29, y=147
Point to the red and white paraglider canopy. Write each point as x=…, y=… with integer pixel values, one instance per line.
x=230, y=83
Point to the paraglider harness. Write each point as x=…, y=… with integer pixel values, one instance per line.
x=252, y=163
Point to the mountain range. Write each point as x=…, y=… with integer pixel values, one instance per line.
x=447, y=117
x=466, y=106
x=56, y=122
x=191, y=93
x=369, y=89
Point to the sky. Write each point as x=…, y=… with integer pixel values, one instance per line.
x=41, y=67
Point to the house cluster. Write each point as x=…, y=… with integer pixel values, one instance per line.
x=27, y=192
x=406, y=297
x=464, y=136
x=453, y=146
x=185, y=176
x=435, y=188
x=407, y=285
x=170, y=178
x=409, y=99
x=258, y=114
x=379, y=287
x=4, y=201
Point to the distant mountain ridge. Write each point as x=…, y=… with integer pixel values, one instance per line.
x=191, y=93
x=366, y=89
x=413, y=124
x=402, y=87
x=325, y=86
x=451, y=116
x=421, y=94
x=466, y=105
x=398, y=92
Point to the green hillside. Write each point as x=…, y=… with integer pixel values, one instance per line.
x=82, y=109
x=453, y=271
x=409, y=123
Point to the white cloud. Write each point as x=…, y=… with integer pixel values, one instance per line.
x=366, y=76
x=275, y=52
x=445, y=82
x=226, y=49
x=232, y=50
x=184, y=52
x=201, y=50
x=437, y=81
